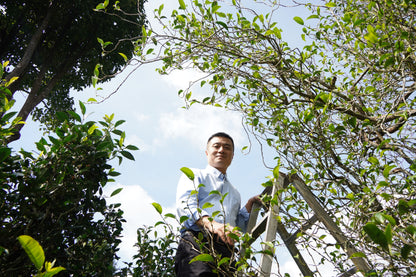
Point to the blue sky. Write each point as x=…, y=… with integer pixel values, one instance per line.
x=169, y=137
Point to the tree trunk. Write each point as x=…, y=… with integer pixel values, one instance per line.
x=34, y=42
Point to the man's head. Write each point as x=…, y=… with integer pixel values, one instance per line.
x=220, y=151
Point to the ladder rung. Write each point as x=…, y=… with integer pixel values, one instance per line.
x=349, y=273
x=304, y=227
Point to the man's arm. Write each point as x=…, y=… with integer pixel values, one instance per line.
x=251, y=201
x=187, y=202
x=219, y=229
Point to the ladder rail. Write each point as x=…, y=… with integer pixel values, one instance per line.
x=271, y=225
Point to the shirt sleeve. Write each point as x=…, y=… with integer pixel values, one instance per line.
x=242, y=218
x=187, y=202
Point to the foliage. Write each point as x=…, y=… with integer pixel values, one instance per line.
x=37, y=256
x=152, y=244
x=57, y=196
x=340, y=111
x=53, y=48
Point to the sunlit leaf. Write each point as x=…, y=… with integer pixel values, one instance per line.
x=157, y=207
x=33, y=250
x=188, y=172
x=182, y=5
x=298, y=20
x=203, y=258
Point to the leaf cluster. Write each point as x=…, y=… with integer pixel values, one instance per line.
x=56, y=196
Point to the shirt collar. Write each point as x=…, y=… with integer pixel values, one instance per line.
x=218, y=174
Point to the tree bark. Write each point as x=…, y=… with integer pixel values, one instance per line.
x=34, y=42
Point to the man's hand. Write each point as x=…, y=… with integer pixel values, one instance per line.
x=219, y=229
x=251, y=201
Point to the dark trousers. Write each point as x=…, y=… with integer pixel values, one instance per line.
x=188, y=249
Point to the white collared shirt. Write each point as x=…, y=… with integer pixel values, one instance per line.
x=205, y=192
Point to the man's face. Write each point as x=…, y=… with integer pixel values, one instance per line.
x=220, y=153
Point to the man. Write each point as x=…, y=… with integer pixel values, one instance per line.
x=201, y=223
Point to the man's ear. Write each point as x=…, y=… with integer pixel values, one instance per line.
x=206, y=152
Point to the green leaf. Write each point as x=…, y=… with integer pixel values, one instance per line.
x=371, y=37
x=388, y=234
x=376, y=235
x=379, y=218
x=62, y=116
x=132, y=147
x=157, y=207
x=387, y=169
x=7, y=116
x=276, y=172
x=92, y=129
x=207, y=205
x=12, y=80
x=390, y=219
x=182, y=5
x=128, y=155
x=183, y=219
x=222, y=24
x=82, y=106
x=102, y=5
x=233, y=236
x=203, y=258
x=411, y=229
x=50, y=270
x=4, y=153
x=358, y=255
x=93, y=100
x=225, y=260
x=314, y=16
x=402, y=207
x=53, y=271
x=114, y=173
x=170, y=215
x=214, y=214
x=298, y=20
x=188, y=172
x=119, y=122
x=373, y=160
x=75, y=116
x=124, y=56
x=33, y=250
x=405, y=251
x=117, y=191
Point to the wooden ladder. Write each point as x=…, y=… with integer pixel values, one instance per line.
x=271, y=226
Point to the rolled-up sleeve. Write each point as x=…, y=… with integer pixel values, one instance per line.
x=242, y=218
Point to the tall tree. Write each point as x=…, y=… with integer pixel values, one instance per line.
x=339, y=111
x=52, y=46
x=57, y=197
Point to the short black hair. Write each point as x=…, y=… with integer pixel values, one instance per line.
x=221, y=135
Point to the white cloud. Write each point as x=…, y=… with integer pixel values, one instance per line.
x=138, y=211
x=137, y=141
x=198, y=123
x=181, y=79
x=140, y=117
